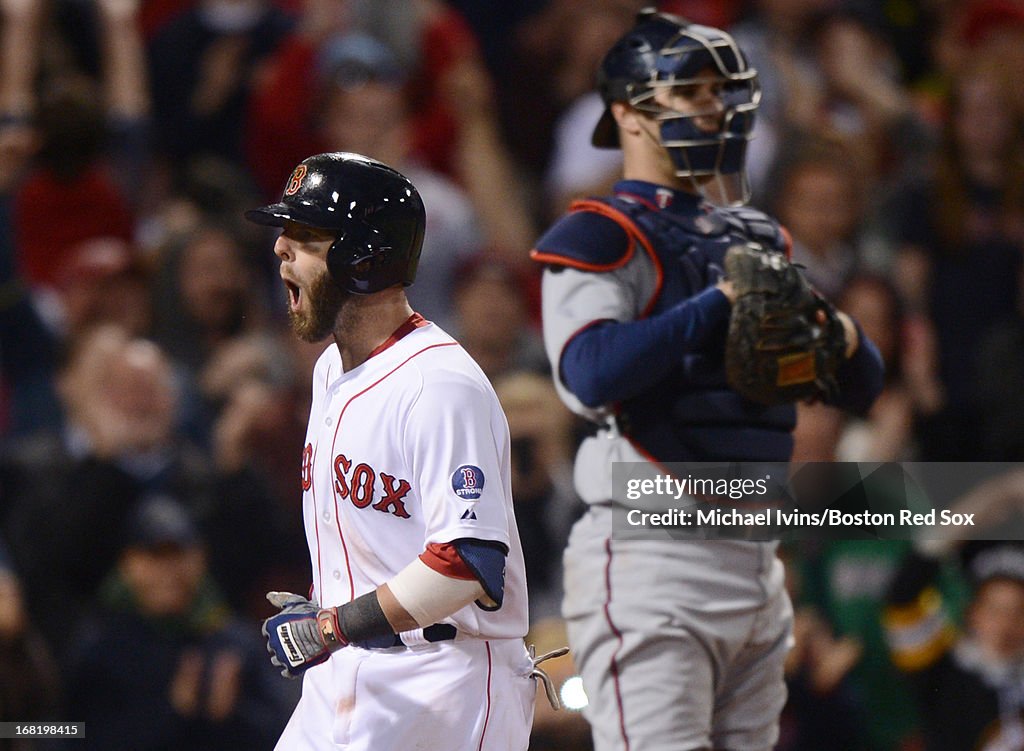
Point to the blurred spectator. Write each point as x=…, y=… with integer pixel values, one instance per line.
x=968, y=684
x=119, y=441
x=577, y=169
x=366, y=111
x=205, y=292
x=251, y=386
x=431, y=44
x=846, y=581
x=29, y=682
x=912, y=388
x=863, y=99
x=163, y=665
x=1000, y=374
x=546, y=505
x=825, y=68
x=91, y=136
x=61, y=486
x=542, y=88
x=820, y=199
x=992, y=29
x=961, y=240
x=491, y=320
x=27, y=348
x=774, y=37
x=71, y=196
x=258, y=407
x=103, y=281
x=840, y=678
x=821, y=710
x=202, y=65
x=817, y=432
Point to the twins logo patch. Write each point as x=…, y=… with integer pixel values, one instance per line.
x=468, y=482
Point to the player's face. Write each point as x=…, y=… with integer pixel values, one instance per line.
x=314, y=300
x=700, y=98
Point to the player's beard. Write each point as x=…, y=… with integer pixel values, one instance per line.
x=325, y=300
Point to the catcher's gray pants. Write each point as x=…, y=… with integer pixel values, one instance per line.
x=680, y=644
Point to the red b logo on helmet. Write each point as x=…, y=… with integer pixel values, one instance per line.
x=295, y=181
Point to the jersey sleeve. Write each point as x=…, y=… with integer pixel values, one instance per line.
x=457, y=442
x=573, y=300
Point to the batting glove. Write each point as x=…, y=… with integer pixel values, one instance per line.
x=301, y=635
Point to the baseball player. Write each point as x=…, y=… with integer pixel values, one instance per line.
x=412, y=637
x=680, y=644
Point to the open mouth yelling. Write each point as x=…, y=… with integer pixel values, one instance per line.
x=294, y=295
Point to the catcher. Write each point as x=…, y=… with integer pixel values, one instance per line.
x=679, y=328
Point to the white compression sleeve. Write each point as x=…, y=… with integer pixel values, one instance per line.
x=429, y=596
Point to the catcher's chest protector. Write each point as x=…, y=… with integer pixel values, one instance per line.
x=687, y=242
x=687, y=245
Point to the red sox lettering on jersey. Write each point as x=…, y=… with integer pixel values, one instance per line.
x=357, y=484
x=406, y=451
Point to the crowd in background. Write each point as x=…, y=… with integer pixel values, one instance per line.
x=154, y=400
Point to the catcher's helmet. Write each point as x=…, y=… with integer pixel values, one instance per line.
x=375, y=212
x=663, y=50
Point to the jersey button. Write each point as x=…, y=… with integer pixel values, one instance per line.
x=337, y=574
x=327, y=516
x=328, y=422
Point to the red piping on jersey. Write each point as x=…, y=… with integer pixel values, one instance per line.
x=316, y=526
x=487, y=713
x=341, y=415
x=344, y=547
x=618, y=648
x=413, y=322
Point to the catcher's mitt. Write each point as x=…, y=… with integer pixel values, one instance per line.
x=785, y=341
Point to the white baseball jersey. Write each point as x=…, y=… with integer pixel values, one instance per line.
x=410, y=448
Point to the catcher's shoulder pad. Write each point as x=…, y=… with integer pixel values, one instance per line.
x=757, y=226
x=592, y=237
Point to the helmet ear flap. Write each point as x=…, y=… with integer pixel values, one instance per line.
x=366, y=259
x=349, y=259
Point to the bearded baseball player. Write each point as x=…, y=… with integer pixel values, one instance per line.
x=680, y=644
x=412, y=637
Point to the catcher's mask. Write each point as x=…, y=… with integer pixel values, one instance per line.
x=666, y=51
x=376, y=214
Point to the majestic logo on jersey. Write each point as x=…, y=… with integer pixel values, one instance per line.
x=307, y=467
x=295, y=181
x=468, y=482
x=468, y=515
x=359, y=485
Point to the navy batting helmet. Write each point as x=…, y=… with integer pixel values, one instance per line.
x=663, y=50
x=376, y=214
